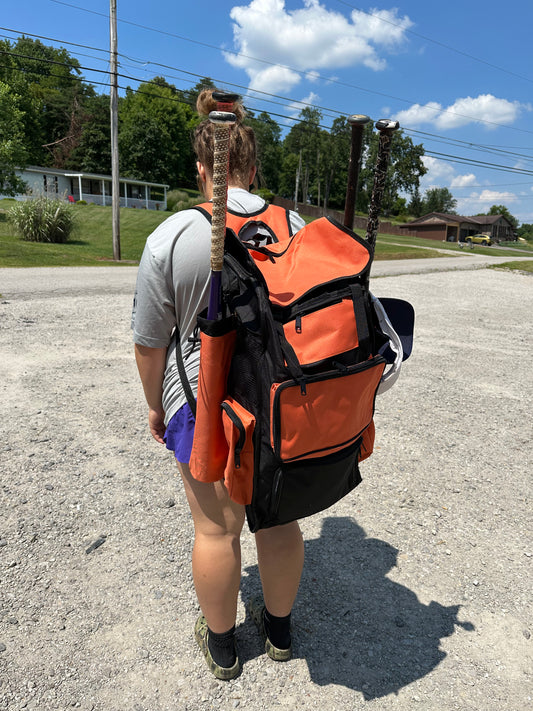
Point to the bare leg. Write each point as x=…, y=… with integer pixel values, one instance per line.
x=280, y=555
x=216, y=559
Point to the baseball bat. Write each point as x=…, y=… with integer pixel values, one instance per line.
x=386, y=128
x=358, y=123
x=222, y=119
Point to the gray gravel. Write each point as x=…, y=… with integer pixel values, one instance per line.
x=417, y=587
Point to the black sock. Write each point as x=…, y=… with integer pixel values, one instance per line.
x=222, y=647
x=278, y=630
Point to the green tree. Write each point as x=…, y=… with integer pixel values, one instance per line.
x=303, y=141
x=502, y=210
x=92, y=154
x=335, y=160
x=287, y=175
x=30, y=107
x=13, y=152
x=53, y=85
x=403, y=174
x=525, y=230
x=416, y=205
x=269, y=149
x=154, y=135
x=399, y=207
x=439, y=200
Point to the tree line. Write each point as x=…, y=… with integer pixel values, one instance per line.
x=52, y=117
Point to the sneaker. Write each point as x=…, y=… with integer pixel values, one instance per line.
x=201, y=633
x=256, y=608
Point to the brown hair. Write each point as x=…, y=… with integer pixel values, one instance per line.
x=242, y=149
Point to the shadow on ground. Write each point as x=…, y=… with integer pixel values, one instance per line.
x=354, y=626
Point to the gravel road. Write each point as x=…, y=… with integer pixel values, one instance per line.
x=417, y=588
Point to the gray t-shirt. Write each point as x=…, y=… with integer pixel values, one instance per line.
x=173, y=288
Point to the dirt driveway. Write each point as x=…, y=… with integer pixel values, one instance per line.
x=417, y=587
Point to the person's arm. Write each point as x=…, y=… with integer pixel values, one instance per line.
x=151, y=366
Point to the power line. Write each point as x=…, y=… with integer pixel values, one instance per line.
x=284, y=66
x=471, y=146
x=434, y=41
x=240, y=86
x=477, y=163
x=441, y=156
x=487, y=185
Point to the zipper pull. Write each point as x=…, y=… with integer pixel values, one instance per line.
x=298, y=324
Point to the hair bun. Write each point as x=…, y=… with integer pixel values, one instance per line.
x=205, y=104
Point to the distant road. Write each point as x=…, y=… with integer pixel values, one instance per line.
x=26, y=282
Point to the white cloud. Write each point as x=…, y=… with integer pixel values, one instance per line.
x=439, y=173
x=442, y=174
x=418, y=114
x=308, y=39
x=463, y=181
x=494, y=196
x=485, y=107
x=480, y=202
x=297, y=106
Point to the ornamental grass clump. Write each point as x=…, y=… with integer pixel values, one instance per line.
x=43, y=219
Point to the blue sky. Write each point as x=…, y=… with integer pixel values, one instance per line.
x=458, y=76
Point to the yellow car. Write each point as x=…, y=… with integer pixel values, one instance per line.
x=479, y=239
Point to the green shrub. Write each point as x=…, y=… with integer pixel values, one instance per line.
x=265, y=193
x=175, y=196
x=186, y=204
x=42, y=220
x=81, y=202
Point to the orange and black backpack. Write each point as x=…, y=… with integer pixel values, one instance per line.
x=289, y=373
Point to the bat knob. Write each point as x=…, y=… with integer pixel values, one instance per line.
x=387, y=125
x=225, y=118
x=358, y=120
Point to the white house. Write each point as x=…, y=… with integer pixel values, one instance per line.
x=91, y=187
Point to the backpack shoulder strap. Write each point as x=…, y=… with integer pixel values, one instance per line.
x=276, y=218
x=185, y=384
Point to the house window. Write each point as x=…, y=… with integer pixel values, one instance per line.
x=50, y=185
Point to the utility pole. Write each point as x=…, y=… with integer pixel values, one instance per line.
x=297, y=182
x=115, y=175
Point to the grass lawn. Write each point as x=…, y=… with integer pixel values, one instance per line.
x=387, y=248
x=92, y=241
x=515, y=266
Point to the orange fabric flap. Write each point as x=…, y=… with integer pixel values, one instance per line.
x=210, y=449
x=323, y=419
x=321, y=251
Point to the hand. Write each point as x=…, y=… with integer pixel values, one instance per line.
x=156, y=422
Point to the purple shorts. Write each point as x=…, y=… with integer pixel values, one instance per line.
x=180, y=432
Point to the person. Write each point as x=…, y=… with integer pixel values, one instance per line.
x=172, y=289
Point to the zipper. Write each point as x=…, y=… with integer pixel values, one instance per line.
x=304, y=306
x=236, y=420
x=277, y=388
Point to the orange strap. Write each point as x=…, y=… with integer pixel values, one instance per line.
x=274, y=217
